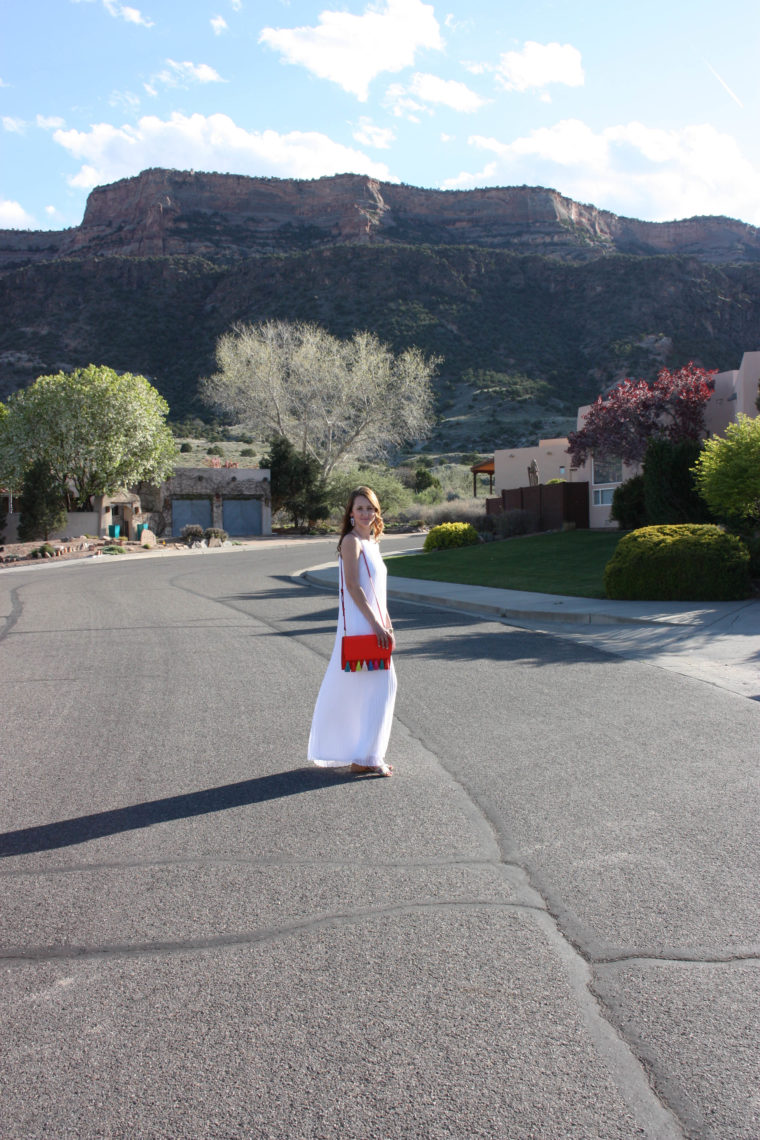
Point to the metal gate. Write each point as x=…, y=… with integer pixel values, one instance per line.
x=187, y=511
x=241, y=516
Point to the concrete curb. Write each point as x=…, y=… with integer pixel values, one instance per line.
x=436, y=594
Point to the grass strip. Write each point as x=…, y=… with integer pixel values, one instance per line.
x=571, y=563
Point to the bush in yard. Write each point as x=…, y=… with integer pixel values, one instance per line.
x=687, y=562
x=215, y=532
x=185, y=447
x=670, y=491
x=192, y=533
x=450, y=534
x=628, y=505
x=516, y=521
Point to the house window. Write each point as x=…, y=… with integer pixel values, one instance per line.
x=608, y=470
x=603, y=496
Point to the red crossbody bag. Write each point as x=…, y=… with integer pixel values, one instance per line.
x=362, y=651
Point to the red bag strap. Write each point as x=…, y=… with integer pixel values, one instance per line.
x=372, y=584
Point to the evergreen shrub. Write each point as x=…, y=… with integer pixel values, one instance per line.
x=670, y=490
x=450, y=534
x=628, y=504
x=685, y=562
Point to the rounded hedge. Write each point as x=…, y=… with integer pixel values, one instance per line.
x=450, y=534
x=680, y=562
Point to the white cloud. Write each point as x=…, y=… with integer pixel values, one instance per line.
x=127, y=100
x=211, y=142
x=631, y=169
x=124, y=12
x=368, y=134
x=236, y=5
x=538, y=65
x=13, y=216
x=352, y=50
x=182, y=75
x=49, y=122
x=448, y=92
x=399, y=103
x=13, y=126
x=219, y=24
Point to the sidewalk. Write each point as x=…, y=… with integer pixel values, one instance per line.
x=714, y=642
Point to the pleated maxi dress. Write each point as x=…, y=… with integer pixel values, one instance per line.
x=354, y=711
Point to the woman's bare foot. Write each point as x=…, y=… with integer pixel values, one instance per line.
x=372, y=769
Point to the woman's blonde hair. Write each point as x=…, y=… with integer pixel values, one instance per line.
x=377, y=526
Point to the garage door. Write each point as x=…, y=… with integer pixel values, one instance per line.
x=187, y=511
x=241, y=516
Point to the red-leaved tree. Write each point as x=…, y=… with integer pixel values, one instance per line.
x=621, y=424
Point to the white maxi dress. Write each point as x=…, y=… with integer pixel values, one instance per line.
x=354, y=711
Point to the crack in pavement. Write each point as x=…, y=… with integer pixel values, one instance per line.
x=18, y=956
x=613, y=1047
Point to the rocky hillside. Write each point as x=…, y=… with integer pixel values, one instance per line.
x=225, y=217
x=535, y=303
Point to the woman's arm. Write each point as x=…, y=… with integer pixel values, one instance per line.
x=350, y=553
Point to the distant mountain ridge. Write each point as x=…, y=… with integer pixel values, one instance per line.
x=535, y=303
x=229, y=217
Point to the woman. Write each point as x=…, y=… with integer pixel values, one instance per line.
x=354, y=711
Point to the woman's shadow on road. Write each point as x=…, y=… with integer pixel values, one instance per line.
x=80, y=829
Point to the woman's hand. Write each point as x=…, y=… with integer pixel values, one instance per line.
x=384, y=636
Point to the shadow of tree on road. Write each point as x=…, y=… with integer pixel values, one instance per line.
x=80, y=829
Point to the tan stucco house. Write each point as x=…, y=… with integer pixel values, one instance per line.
x=735, y=391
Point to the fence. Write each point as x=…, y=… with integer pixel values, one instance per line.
x=551, y=504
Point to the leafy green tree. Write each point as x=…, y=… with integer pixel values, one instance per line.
x=41, y=506
x=391, y=492
x=95, y=429
x=331, y=398
x=728, y=472
x=296, y=481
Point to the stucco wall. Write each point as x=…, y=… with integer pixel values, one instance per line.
x=78, y=523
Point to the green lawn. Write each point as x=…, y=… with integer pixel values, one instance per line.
x=568, y=563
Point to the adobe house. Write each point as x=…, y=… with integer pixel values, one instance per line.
x=735, y=391
x=120, y=510
x=235, y=499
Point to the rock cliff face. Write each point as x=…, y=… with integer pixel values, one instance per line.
x=225, y=217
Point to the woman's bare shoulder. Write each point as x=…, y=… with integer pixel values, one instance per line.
x=350, y=545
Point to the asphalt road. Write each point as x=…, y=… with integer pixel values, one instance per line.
x=545, y=925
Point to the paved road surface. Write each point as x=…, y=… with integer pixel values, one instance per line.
x=545, y=925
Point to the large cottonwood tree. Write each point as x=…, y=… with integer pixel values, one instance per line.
x=96, y=431
x=331, y=398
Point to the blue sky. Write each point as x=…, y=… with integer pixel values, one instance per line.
x=649, y=109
